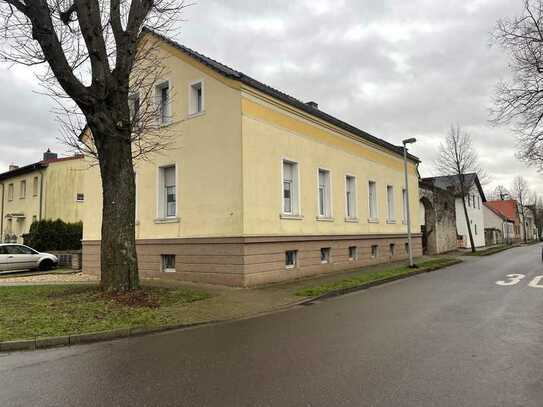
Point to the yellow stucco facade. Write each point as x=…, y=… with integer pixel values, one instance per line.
x=44, y=190
x=228, y=162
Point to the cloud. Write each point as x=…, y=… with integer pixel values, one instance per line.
x=394, y=68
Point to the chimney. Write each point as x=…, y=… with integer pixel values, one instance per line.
x=13, y=167
x=314, y=105
x=48, y=155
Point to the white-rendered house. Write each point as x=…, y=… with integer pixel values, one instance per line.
x=498, y=228
x=474, y=198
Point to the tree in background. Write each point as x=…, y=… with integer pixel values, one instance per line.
x=522, y=194
x=96, y=54
x=519, y=101
x=500, y=193
x=458, y=157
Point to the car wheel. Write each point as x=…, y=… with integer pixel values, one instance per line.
x=46, y=265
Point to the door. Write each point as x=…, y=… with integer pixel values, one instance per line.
x=20, y=257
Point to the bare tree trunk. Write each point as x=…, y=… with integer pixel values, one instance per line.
x=468, y=223
x=119, y=262
x=524, y=227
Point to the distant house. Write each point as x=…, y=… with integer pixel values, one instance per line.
x=48, y=189
x=498, y=227
x=474, y=198
x=508, y=208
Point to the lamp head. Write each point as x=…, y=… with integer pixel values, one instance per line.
x=409, y=141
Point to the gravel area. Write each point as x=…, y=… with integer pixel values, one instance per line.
x=58, y=278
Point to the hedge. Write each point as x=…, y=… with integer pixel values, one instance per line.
x=46, y=235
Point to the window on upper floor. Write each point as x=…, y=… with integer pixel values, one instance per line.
x=80, y=197
x=290, y=188
x=22, y=190
x=134, y=105
x=325, y=210
x=350, y=197
x=163, y=102
x=167, y=192
x=10, y=192
x=372, y=200
x=196, y=97
x=390, y=204
x=35, y=185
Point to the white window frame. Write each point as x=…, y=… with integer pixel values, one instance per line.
x=11, y=188
x=391, y=209
x=191, y=111
x=354, y=215
x=132, y=107
x=375, y=218
x=404, y=204
x=160, y=197
x=77, y=197
x=327, y=255
x=35, y=186
x=295, y=264
x=355, y=256
x=376, y=255
x=158, y=102
x=163, y=265
x=22, y=189
x=295, y=204
x=328, y=201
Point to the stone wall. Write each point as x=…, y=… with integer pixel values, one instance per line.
x=440, y=219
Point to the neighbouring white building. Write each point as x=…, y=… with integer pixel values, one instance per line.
x=474, y=199
x=498, y=227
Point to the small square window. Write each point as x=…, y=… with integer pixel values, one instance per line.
x=374, y=251
x=392, y=248
x=325, y=255
x=168, y=263
x=291, y=259
x=80, y=197
x=353, y=253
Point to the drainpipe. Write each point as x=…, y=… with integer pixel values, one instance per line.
x=41, y=194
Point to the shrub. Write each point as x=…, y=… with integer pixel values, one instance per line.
x=47, y=235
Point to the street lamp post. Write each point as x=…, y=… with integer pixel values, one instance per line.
x=405, y=142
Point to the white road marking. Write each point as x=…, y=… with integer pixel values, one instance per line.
x=535, y=282
x=514, y=279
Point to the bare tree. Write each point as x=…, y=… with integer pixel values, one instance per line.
x=523, y=196
x=94, y=54
x=500, y=193
x=458, y=157
x=519, y=101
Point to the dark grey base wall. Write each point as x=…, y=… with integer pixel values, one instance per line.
x=250, y=261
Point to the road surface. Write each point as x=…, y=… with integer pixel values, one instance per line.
x=454, y=337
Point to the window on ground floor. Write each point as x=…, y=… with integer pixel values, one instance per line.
x=392, y=249
x=406, y=246
x=168, y=263
x=374, y=251
x=291, y=259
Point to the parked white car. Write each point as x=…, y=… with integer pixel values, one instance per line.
x=14, y=257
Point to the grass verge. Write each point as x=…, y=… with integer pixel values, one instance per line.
x=365, y=278
x=42, y=311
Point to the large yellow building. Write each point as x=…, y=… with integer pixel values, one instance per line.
x=258, y=187
x=48, y=189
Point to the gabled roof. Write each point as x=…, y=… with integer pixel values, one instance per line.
x=270, y=91
x=449, y=182
x=497, y=212
x=35, y=166
x=507, y=208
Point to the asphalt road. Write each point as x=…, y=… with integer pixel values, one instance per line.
x=448, y=338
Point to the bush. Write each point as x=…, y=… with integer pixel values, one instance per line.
x=47, y=235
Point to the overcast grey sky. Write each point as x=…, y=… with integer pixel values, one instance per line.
x=394, y=68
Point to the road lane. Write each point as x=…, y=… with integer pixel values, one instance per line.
x=450, y=338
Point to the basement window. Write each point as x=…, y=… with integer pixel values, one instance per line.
x=325, y=255
x=392, y=249
x=291, y=259
x=168, y=263
x=374, y=251
x=406, y=247
x=353, y=253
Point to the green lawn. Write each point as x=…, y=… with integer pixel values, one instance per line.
x=488, y=252
x=365, y=277
x=41, y=311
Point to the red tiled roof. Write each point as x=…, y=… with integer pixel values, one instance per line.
x=507, y=208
